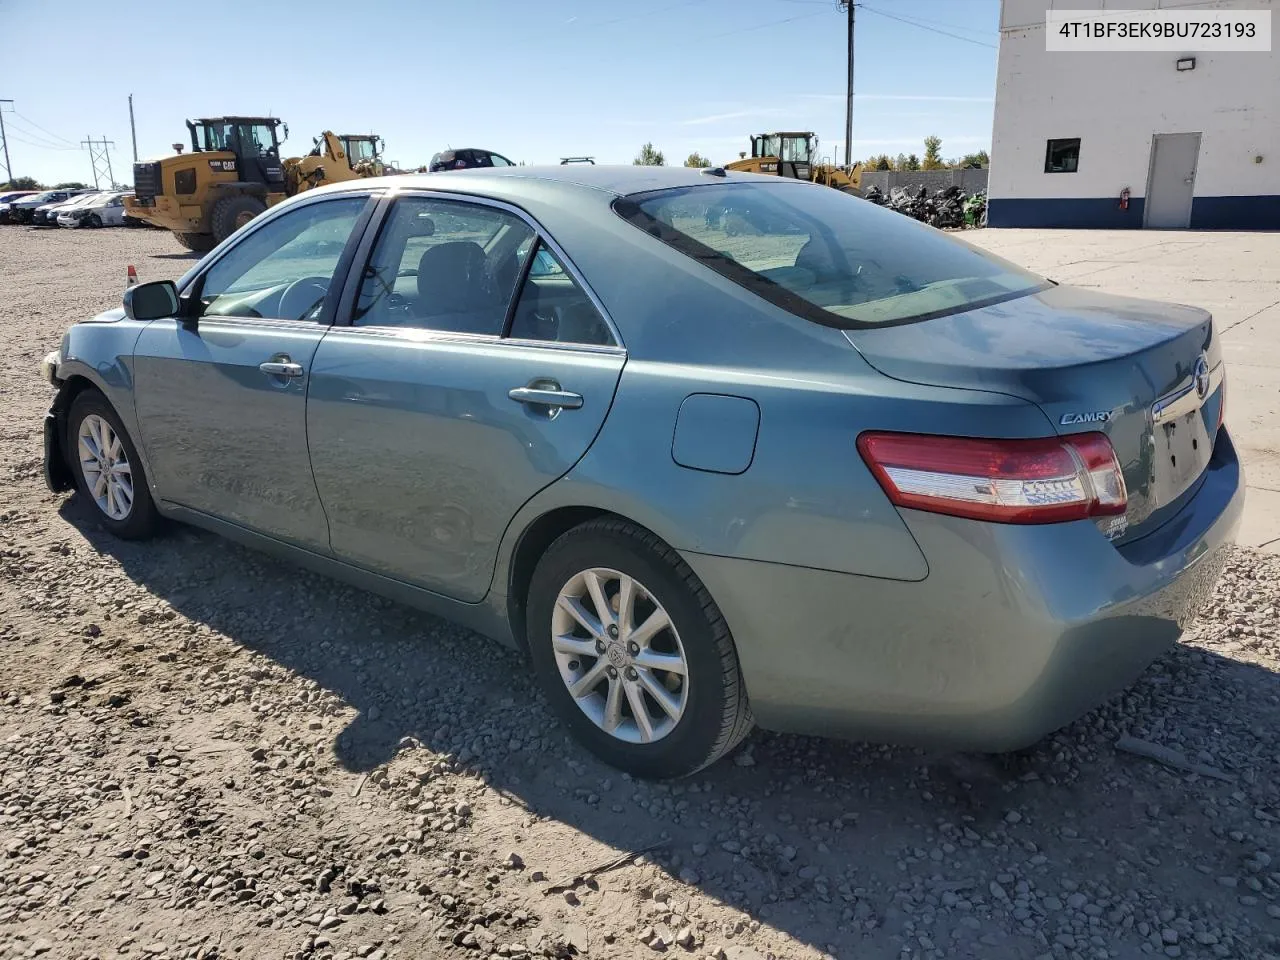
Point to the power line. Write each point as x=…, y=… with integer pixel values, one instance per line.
x=49, y=132
x=36, y=139
x=761, y=26
x=649, y=13
x=39, y=146
x=923, y=26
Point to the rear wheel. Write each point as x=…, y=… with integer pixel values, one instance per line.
x=633, y=652
x=199, y=242
x=232, y=213
x=107, y=468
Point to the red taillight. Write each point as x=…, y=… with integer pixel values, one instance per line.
x=1045, y=480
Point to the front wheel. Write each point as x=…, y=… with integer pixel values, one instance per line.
x=199, y=242
x=93, y=220
x=231, y=213
x=107, y=468
x=633, y=653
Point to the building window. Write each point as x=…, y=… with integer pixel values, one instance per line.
x=1062, y=156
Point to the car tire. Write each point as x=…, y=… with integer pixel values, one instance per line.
x=93, y=220
x=199, y=242
x=232, y=213
x=122, y=502
x=706, y=714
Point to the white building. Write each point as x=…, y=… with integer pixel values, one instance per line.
x=1194, y=137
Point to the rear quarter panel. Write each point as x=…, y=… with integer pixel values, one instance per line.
x=806, y=499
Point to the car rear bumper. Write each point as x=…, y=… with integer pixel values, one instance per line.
x=1017, y=630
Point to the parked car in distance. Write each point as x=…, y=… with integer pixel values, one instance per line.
x=101, y=210
x=46, y=215
x=840, y=474
x=467, y=159
x=23, y=211
x=6, y=199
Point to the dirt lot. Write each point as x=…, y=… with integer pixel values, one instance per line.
x=207, y=753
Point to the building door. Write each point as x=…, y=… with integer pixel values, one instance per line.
x=1171, y=184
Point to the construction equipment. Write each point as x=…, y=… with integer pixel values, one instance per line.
x=332, y=159
x=795, y=155
x=234, y=172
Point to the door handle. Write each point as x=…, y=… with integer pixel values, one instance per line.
x=551, y=397
x=281, y=368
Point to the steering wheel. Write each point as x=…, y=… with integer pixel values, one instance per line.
x=302, y=298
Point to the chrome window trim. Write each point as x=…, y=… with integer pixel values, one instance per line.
x=540, y=233
x=428, y=335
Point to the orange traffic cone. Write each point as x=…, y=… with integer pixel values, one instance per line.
x=132, y=279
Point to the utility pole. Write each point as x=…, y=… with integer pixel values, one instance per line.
x=99, y=157
x=133, y=130
x=8, y=170
x=849, y=6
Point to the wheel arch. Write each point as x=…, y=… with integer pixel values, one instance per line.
x=76, y=377
x=532, y=542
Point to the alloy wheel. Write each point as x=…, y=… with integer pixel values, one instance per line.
x=105, y=466
x=619, y=655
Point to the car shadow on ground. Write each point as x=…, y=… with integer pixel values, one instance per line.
x=839, y=845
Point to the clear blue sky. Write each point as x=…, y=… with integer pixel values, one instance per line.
x=532, y=80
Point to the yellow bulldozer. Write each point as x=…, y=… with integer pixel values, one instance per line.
x=795, y=155
x=234, y=172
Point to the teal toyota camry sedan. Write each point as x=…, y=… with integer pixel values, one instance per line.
x=714, y=449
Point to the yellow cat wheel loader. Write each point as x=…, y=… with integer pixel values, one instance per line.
x=233, y=173
x=795, y=155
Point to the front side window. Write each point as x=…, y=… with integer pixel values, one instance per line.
x=443, y=265
x=825, y=255
x=282, y=270
x=1062, y=156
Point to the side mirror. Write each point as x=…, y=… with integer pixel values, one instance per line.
x=151, y=301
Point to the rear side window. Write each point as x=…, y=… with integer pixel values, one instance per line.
x=825, y=255
x=552, y=307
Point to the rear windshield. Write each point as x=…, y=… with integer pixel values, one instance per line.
x=826, y=255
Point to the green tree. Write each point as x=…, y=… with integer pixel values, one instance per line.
x=22, y=183
x=881, y=162
x=908, y=163
x=979, y=160
x=71, y=185
x=649, y=156
x=696, y=159
x=932, y=153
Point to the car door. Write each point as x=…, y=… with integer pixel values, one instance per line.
x=221, y=399
x=458, y=386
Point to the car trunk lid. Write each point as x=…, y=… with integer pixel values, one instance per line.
x=1145, y=374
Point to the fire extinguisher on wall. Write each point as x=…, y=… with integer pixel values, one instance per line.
x=1124, y=199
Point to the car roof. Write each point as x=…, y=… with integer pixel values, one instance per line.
x=618, y=180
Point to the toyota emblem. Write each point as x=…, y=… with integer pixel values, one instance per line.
x=1202, y=377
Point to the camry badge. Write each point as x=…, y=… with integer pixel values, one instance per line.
x=1093, y=416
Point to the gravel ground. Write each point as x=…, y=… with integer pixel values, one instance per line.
x=206, y=753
